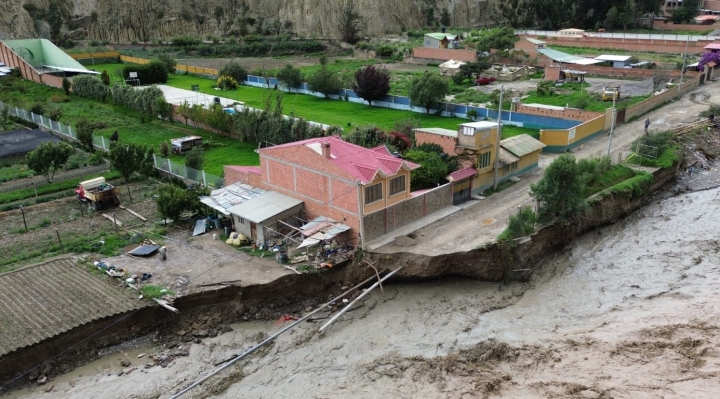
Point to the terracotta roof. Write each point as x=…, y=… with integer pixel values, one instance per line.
x=361, y=163
x=462, y=174
x=445, y=54
x=246, y=169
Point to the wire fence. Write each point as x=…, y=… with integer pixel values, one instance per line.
x=103, y=144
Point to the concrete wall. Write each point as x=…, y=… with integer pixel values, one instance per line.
x=444, y=54
x=393, y=217
x=656, y=45
x=656, y=101
x=566, y=113
x=561, y=140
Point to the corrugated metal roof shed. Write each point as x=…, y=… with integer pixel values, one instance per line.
x=225, y=198
x=616, y=58
x=559, y=56
x=506, y=157
x=441, y=36
x=521, y=145
x=265, y=206
x=535, y=41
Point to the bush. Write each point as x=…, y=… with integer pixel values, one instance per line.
x=37, y=109
x=227, y=83
x=519, y=225
x=89, y=87
x=169, y=62
x=59, y=98
x=235, y=71
x=186, y=41
x=384, y=51
x=151, y=73
x=164, y=149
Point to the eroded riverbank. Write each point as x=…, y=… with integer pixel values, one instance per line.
x=628, y=311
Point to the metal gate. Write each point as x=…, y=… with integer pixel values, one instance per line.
x=461, y=191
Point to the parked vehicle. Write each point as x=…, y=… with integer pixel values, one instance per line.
x=484, y=80
x=97, y=193
x=185, y=144
x=611, y=93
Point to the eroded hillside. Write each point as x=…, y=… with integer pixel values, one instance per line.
x=147, y=20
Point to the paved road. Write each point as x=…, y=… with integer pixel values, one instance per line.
x=484, y=221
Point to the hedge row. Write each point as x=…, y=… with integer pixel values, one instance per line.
x=151, y=73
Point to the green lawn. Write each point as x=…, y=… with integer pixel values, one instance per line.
x=222, y=151
x=572, y=95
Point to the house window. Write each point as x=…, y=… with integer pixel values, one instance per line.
x=373, y=193
x=397, y=185
x=241, y=220
x=511, y=167
x=484, y=160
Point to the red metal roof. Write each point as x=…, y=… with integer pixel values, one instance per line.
x=462, y=174
x=246, y=169
x=713, y=46
x=361, y=163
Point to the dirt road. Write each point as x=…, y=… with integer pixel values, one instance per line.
x=482, y=222
x=629, y=311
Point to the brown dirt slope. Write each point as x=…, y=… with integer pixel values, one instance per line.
x=39, y=302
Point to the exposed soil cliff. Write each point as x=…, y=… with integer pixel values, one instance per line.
x=146, y=20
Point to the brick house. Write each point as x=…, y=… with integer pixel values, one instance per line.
x=333, y=178
x=476, y=143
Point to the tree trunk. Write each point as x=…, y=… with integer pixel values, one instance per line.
x=128, y=188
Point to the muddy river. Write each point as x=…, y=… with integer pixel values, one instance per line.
x=628, y=311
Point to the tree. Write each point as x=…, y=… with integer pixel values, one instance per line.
x=560, y=191
x=445, y=17
x=194, y=160
x=470, y=70
x=48, y=157
x=497, y=38
x=234, y=70
x=290, y=77
x=128, y=158
x=105, y=78
x=689, y=10
x=171, y=201
x=324, y=80
x=89, y=86
x=349, y=22
x=371, y=83
x=169, y=62
x=85, y=129
x=54, y=18
x=432, y=170
x=427, y=90
x=66, y=85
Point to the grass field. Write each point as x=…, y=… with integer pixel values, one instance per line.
x=572, y=95
x=222, y=151
x=313, y=108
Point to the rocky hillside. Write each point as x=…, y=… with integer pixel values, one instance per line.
x=147, y=20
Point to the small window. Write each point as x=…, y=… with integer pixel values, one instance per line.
x=511, y=167
x=484, y=160
x=373, y=193
x=241, y=220
x=397, y=185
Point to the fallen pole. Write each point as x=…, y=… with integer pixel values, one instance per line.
x=232, y=361
x=364, y=294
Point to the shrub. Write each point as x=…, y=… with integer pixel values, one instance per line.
x=151, y=73
x=37, y=109
x=84, y=130
x=227, y=83
x=66, y=86
x=55, y=113
x=519, y=225
x=164, y=149
x=89, y=87
x=235, y=71
x=290, y=77
x=169, y=62
x=384, y=51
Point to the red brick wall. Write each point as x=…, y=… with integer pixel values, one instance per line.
x=444, y=54
x=312, y=184
x=661, y=25
x=658, y=46
x=447, y=143
x=233, y=175
x=567, y=113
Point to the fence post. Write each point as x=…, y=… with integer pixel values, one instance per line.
x=103, y=142
x=169, y=166
x=154, y=161
x=203, y=177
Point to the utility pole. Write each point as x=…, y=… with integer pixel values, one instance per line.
x=612, y=125
x=682, y=73
x=497, y=142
